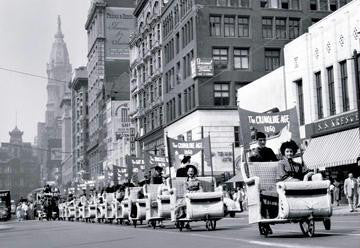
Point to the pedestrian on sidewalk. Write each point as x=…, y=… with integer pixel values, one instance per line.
x=350, y=188
x=337, y=192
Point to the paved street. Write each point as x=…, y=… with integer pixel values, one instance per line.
x=230, y=233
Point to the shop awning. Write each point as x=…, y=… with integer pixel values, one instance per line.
x=333, y=150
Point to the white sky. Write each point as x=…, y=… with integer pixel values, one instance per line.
x=27, y=29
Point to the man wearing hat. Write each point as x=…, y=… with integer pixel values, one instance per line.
x=157, y=177
x=262, y=153
x=182, y=171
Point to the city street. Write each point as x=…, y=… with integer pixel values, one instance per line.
x=230, y=233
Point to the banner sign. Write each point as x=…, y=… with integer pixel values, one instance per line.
x=152, y=161
x=272, y=124
x=202, y=68
x=178, y=149
x=136, y=168
x=119, y=174
x=119, y=23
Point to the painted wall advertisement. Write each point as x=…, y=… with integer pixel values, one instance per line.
x=119, y=24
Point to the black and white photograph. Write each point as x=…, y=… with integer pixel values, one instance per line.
x=179, y=123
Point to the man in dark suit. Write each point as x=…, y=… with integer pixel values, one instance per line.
x=262, y=153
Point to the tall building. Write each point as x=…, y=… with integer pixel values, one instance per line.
x=19, y=168
x=57, y=108
x=108, y=25
x=146, y=85
x=80, y=125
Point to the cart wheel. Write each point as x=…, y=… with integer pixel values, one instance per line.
x=327, y=224
x=153, y=224
x=264, y=229
x=207, y=224
x=308, y=227
x=181, y=226
x=135, y=222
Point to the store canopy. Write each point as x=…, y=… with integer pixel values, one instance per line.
x=237, y=178
x=333, y=150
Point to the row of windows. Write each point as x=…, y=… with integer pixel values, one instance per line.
x=173, y=18
x=330, y=85
x=327, y=5
x=173, y=47
x=222, y=93
x=185, y=102
x=229, y=26
x=280, y=28
x=233, y=3
x=149, y=94
x=280, y=4
x=331, y=90
x=241, y=58
x=152, y=120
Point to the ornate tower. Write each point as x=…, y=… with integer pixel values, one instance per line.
x=59, y=74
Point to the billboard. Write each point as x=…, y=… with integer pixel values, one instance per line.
x=119, y=24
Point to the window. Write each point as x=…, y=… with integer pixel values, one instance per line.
x=331, y=89
x=189, y=136
x=179, y=104
x=177, y=43
x=220, y=57
x=264, y=3
x=285, y=4
x=241, y=58
x=323, y=4
x=319, y=95
x=160, y=116
x=236, y=136
x=244, y=3
x=333, y=5
x=272, y=59
x=294, y=28
x=243, y=26
x=215, y=25
x=280, y=28
x=344, y=86
x=229, y=26
x=300, y=99
x=222, y=2
x=295, y=4
x=221, y=94
x=267, y=27
x=313, y=4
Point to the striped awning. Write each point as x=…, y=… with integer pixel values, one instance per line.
x=333, y=150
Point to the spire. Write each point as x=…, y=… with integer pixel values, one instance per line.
x=59, y=34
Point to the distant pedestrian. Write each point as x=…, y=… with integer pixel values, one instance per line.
x=19, y=214
x=337, y=192
x=350, y=188
x=239, y=197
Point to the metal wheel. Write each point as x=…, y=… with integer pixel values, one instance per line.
x=264, y=229
x=153, y=224
x=327, y=224
x=308, y=227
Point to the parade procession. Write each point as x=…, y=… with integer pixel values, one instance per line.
x=180, y=123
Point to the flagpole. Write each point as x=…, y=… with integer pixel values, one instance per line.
x=211, y=165
x=169, y=157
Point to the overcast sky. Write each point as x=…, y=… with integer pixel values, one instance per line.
x=27, y=29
